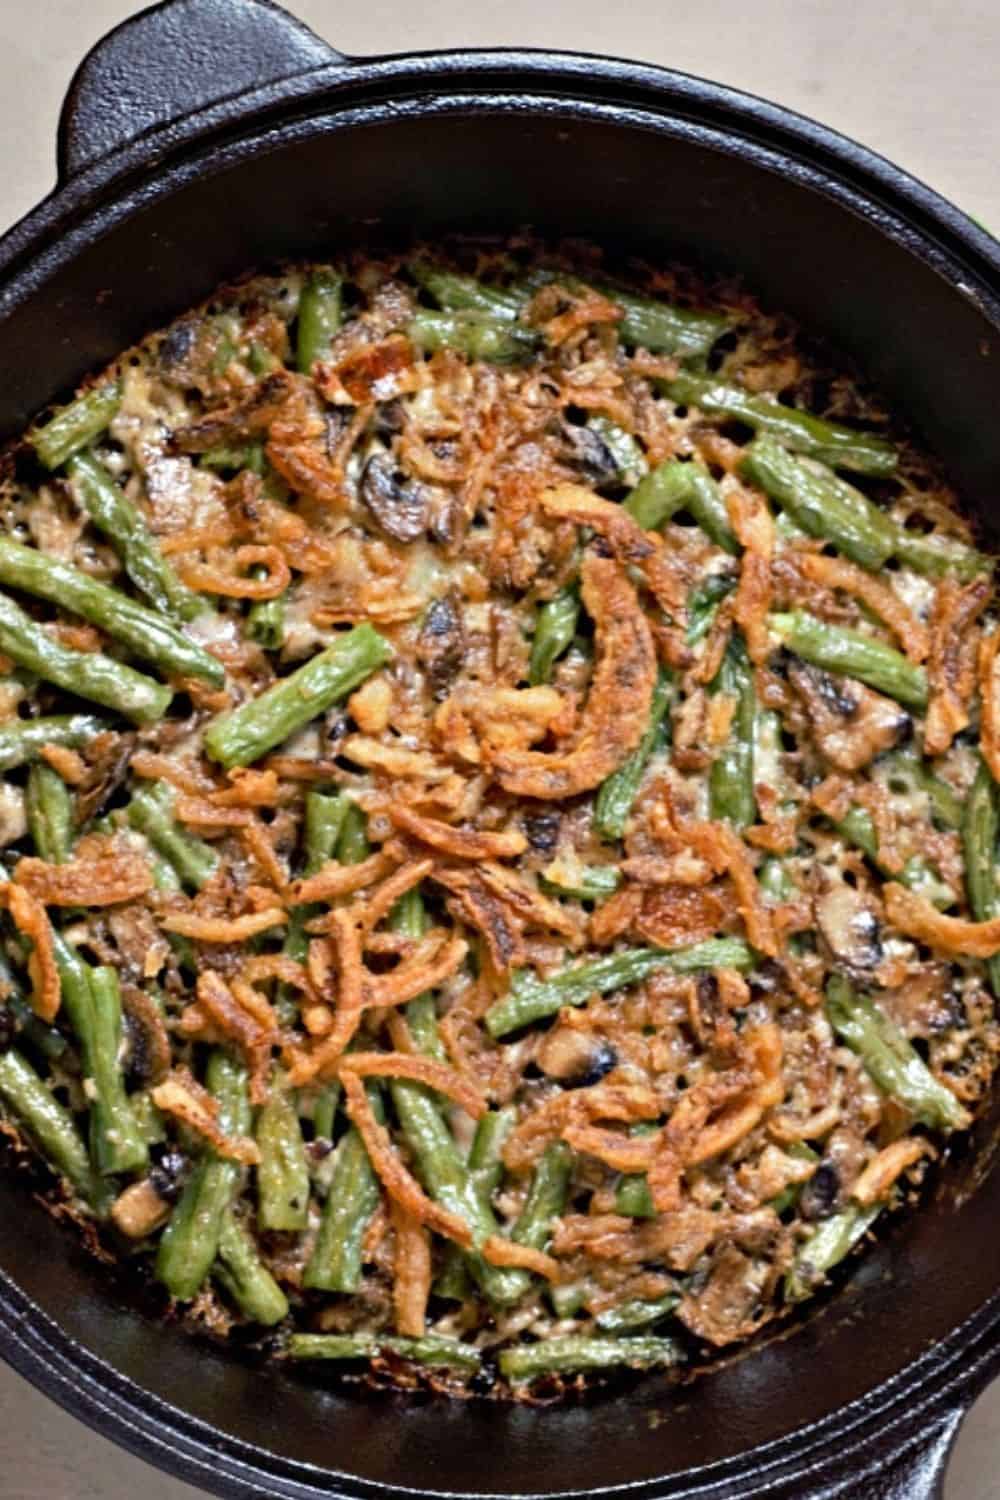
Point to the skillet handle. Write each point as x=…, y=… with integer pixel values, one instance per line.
x=174, y=59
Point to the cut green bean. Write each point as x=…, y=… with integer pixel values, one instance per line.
x=266, y=618
x=572, y=1355
x=51, y=1126
x=674, y=486
x=906, y=773
x=857, y=826
x=830, y=1243
x=472, y=334
x=457, y=293
x=547, y=1197
x=354, y=1194
x=48, y=804
x=151, y=813
x=616, y=796
x=283, y=1172
x=632, y=1195
x=234, y=459
x=432, y=1349
x=629, y=458
x=890, y=1059
x=190, y=1242
x=980, y=828
x=123, y=524
x=731, y=778
x=584, y=883
x=87, y=674
x=821, y=504
x=554, y=631
x=849, y=653
x=703, y=605
x=21, y=741
x=143, y=630
x=248, y=732
x=533, y=999
x=76, y=425
x=352, y=844
x=830, y=442
x=636, y=1314
x=321, y=308
x=242, y=1274
x=324, y=820
x=936, y=556
x=485, y=1159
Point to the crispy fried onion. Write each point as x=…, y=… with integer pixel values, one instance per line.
x=882, y=1171
x=112, y=877
x=952, y=663
x=243, y=1015
x=618, y=704
x=335, y=879
x=183, y=1097
x=322, y=1058
x=881, y=598
x=480, y=908
x=223, y=930
x=501, y=1252
x=739, y=866
x=31, y=919
x=989, y=727
x=626, y=538
x=436, y=1075
x=400, y=1185
x=914, y=915
x=238, y=583
x=754, y=528
x=411, y=1271
x=462, y=843
x=605, y=1101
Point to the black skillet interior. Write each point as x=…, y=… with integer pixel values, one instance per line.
x=863, y=1399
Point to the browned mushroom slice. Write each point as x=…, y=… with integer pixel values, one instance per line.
x=851, y=723
x=850, y=927
x=441, y=645
x=621, y=692
x=401, y=506
x=238, y=421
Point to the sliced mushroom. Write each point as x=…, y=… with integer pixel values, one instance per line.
x=851, y=723
x=238, y=421
x=575, y=1058
x=821, y=1194
x=139, y=1210
x=147, y=1045
x=441, y=645
x=589, y=453
x=542, y=829
x=401, y=506
x=850, y=927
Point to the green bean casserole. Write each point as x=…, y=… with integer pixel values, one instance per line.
x=500, y=818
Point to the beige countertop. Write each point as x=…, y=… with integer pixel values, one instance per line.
x=915, y=81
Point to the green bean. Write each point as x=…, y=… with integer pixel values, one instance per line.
x=51, y=1126
x=532, y=999
x=906, y=772
x=568, y=1298
x=324, y=820
x=472, y=334
x=432, y=1349
x=88, y=674
x=144, y=631
x=409, y=916
x=731, y=778
x=573, y=1354
x=324, y=1111
x=250, y=456
x=240, y=1272
x=821, y=504
x=283, y=1172
x=703, y=605
x=936, y=556
x=554, y=631
x=774, y=880
x=45, y=1039
x=352, y=845
x=116, y=1143
x=453, y=1282
x=660, y=495
x=266, y=618
x=616, y=795
x=485, y=1159
x=857, y=826
x=849, y=653
x=546, y=1200
x=151, y=812
x=457, y=293
x=890, y=1059
x=664, y=329
x=49, y=808
x=77, y=425
x=123, y=524
x=248, y=732
x=632, y=1195
x=190, y=1242
x=830, y=442
x=626, y=452
x=636, y=1313
x=980, y=827
x=830, y=1242
x=354, y=1195
x=320, y=316
x=586, y=883
x=23, y=739
x=791, y=1194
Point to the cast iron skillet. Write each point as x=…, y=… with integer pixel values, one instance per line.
x=205, y=136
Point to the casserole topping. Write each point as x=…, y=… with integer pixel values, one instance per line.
x=499, y=826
